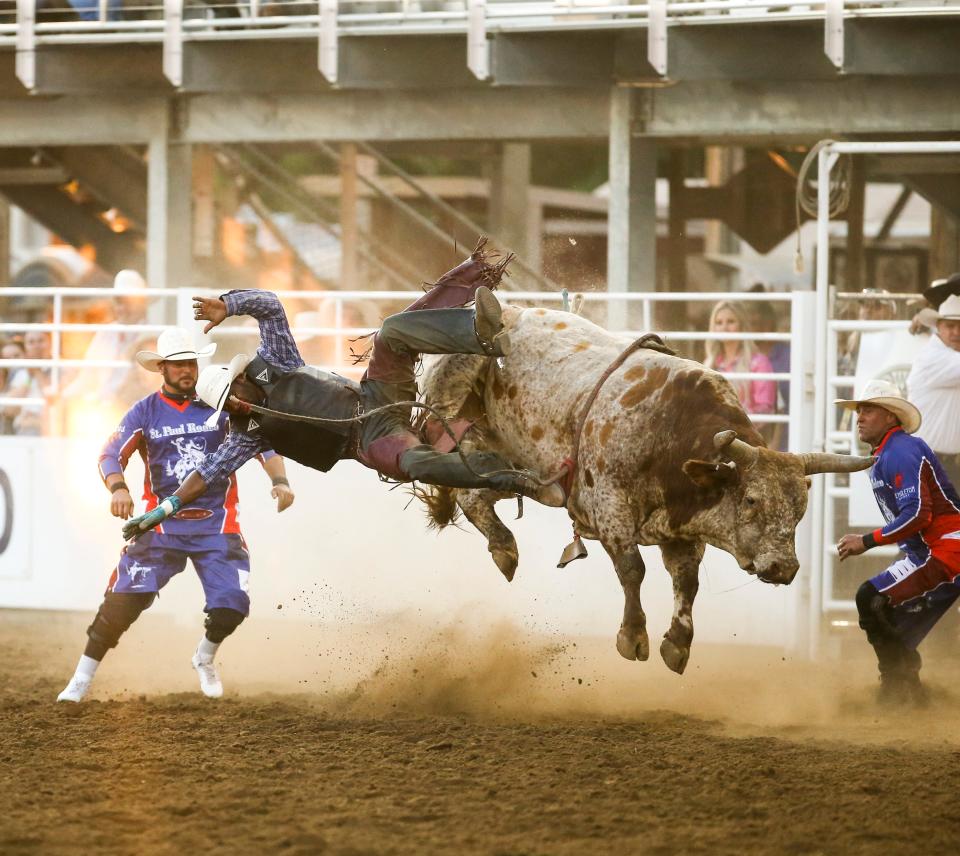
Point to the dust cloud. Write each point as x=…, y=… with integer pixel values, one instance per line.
x=494, y=669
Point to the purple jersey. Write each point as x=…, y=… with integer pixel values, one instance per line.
x=172, y=438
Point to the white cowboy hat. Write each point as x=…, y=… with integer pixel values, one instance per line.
x=128, y=281
x=884, y=394
x=213, y=385
x=949, y=311
x=173, y=344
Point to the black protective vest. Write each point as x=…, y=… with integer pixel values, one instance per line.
x=309, y=392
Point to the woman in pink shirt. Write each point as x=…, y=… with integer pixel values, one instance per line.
x=740, y=355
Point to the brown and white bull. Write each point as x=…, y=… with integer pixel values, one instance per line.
x=667, y=457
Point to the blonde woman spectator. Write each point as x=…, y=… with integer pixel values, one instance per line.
x=740, y=355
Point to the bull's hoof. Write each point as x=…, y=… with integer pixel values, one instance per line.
x=675, y=658
x=633, y=644
x=506, y=561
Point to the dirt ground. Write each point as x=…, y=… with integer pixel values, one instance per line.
x=464, y=739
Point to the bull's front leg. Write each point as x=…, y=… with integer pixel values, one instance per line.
x=478, y=508
x=682, y=560
x=632, y=640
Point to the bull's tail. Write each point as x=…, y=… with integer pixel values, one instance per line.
x=441, y=503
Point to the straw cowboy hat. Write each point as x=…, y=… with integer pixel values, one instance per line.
x=173, y=344
x=213, y=385
x=884, y=394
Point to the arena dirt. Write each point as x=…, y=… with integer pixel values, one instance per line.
x=470, y=738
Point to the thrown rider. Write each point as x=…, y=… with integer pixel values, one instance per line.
x=277, y=379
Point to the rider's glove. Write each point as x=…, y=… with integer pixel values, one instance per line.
x=137, y=526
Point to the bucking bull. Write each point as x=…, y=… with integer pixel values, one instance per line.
x=667, y=456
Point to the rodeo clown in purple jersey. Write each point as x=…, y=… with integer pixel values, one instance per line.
x=173, y=432
x=899, y=606
x=277, y=379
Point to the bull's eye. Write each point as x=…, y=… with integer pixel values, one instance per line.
x=750, y=501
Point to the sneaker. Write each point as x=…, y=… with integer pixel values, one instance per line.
x=489, y=323
x=206, y=670
x=76, y=689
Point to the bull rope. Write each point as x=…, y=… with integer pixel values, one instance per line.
x=568, y=469
x=362, y=417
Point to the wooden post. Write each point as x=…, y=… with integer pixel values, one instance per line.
x=4, y=241
x=944, y=243
x=854, y=275
x=677, y=255
x=349, y=231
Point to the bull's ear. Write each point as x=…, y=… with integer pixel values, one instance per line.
x=711, y=475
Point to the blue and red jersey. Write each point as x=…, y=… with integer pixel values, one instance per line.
x=172, y=438
x=916, y=498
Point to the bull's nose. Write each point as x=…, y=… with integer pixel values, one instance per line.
x=779, y=574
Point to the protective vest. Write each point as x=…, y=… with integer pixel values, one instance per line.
x=308, y=392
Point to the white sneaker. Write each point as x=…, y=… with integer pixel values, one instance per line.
x=206, y=669
x=76, y=689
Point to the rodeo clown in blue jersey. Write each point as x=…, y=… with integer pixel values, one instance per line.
x=173, y=432
x=900, y=606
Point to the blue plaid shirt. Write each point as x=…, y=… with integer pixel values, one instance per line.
x=279, y=349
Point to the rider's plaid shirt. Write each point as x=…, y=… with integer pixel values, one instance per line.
x=279, y=349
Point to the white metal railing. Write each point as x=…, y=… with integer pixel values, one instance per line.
x=338, y=334
x=842, y=441
x=172, y=22
x=825, y=492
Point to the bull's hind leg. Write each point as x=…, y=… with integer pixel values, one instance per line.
x=477, y=506
x=632, y=641
x=682, y=560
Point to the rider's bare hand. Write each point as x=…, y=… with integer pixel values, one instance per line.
x=210, y=309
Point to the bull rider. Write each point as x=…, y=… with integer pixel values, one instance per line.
x=277, y=378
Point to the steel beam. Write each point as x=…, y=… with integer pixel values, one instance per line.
x=833, y=42
x=484, y=114
x=478, y=48
x=95, y=120
x=657, y=36
x=328, y=54
x=169, y=213
x=27, y=42
x=771, y=110
x=632, y=218
x=115, y=176
x=173, y=41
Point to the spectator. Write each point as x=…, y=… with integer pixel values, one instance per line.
x=11, y=350
x=740, y=355
x=869, y=308
x=31, y=383
x=934, y=384
x=762, y=318
x=129, y=308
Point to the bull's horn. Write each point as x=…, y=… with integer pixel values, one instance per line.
x=741, y=453
x=824, y=462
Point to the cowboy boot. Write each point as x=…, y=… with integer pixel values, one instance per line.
x=425, y=464
x=488, y=323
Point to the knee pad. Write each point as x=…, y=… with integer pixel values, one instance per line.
x=875, y=612
x=117, y=612
x=221, y=622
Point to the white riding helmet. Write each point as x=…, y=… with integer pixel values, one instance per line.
x=173, y=344
x=213, y=385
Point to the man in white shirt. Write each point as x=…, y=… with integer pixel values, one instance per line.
x=934, y=384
